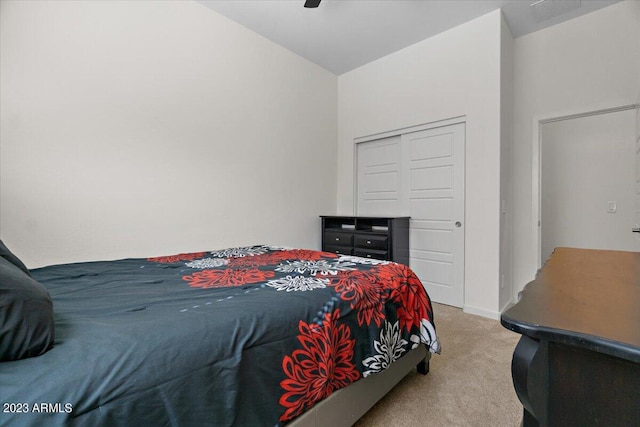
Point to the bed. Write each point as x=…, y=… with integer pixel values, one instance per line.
x=247, y=336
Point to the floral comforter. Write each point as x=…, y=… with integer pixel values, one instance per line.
x=243, y=336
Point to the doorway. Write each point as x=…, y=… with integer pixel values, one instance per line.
x=587, y=167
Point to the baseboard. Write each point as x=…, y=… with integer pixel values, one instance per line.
x=481, y=312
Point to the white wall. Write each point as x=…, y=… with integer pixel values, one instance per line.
x=636, y=221
x=586, y=163
x=456, y=73
x=153, y=127
x=637, y=218
x=585, y=64
x=506, y=171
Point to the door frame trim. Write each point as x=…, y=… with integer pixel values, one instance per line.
x=536, y=179
x=416, y=128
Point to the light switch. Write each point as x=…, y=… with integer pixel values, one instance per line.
x=613, y=207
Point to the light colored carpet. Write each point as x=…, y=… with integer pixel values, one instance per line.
x=469, y=384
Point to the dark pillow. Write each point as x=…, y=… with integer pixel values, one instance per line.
x=26, y=315
x=9, y=256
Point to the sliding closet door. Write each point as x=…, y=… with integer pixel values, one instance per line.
x=421, y=175
x=433, y=173
x=378, y=181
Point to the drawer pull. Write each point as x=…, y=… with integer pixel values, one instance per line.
x=337, y=239
x=368, y=255
x=368, y=242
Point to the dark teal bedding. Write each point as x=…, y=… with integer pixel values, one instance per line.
x=245, y=336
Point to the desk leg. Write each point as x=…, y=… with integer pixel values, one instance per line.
x=529, y=370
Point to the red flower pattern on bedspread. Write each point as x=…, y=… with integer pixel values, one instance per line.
x=383, y=305
x=177, y=258
x=324, y=364
x=408, y=292
x=227, y=277
x=365, y=293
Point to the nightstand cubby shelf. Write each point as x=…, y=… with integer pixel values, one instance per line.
x=385, y=238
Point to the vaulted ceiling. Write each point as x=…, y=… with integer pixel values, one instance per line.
x=341, y=35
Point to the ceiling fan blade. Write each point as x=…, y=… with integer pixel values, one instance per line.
x=311, y=3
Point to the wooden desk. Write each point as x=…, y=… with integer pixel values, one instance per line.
x=578, y=361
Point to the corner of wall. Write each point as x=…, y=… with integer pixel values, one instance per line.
x=506, y=153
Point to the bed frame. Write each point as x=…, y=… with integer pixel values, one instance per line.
x=346, y=406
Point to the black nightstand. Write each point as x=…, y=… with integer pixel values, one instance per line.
x=385, y=238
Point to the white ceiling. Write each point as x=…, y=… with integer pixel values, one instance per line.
x=341, y=35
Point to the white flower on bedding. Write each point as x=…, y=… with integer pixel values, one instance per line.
x=298, y=283
x=428, y=336
x=207, y=263
x=279, y=248
x=361, y=260
x=415, y=341
x=240, y=252
x=314, y=267
x=390, y=348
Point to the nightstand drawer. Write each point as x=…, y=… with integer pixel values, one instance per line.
x=371, y=241
x=371, y=253
x=340, y=250
x=337, y=238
